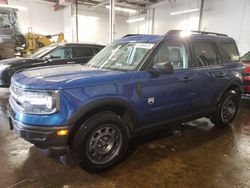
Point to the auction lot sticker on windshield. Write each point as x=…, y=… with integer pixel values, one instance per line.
x=144, y=45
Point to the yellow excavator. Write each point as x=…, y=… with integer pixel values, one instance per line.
x=34, y=41
x=13, y=42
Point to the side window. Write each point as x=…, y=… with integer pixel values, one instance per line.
x=229, y=52
x=84, y=52
x=60, y=53
x=174, y=53
x=98, y=49
x=246, y=57
x=205, y=54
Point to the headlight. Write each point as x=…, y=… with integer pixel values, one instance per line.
x=3, y=67
x=33, y=102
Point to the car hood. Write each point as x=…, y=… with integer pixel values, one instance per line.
x=66, y=77
x=16, y=61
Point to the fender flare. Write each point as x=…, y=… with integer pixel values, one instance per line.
x=231, y=84
x=85, y=109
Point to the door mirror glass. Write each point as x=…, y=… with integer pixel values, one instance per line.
x=163, y=68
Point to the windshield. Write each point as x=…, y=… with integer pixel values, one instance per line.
x=8, y=19
x=5, y=20
x=43, y=51
x=124, y=56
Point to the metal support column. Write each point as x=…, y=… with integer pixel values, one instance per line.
x=76, y=2
x=111, y=20
x=201, y=15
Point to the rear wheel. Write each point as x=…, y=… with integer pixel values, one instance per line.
x=227, y=109
x=101, y=142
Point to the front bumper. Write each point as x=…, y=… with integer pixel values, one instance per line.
x=45, y=138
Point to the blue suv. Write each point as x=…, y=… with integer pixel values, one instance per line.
x=136, y=84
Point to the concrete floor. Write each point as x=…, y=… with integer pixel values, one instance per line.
x=192, y=155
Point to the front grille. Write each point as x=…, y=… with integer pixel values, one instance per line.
x=14, y=101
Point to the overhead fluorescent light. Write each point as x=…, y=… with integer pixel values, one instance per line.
x=122, y=9
x=135, y=20
x=185, y=11
x=13, y=6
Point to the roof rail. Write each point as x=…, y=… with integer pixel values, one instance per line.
x=198, y=32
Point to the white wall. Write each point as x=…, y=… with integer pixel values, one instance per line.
x=44, y=20
x=163, y=21
x=68, y=24
x=40, y=16
x=97, y=31
x=231, y=17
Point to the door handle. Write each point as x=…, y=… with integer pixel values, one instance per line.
x=186, y=79
x=70, y=62
x=221, y=75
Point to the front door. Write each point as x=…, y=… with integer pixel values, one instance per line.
x=168, y=97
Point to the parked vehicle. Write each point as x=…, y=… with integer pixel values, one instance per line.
x=136, y=84
x=10, y=33
x=246, y=61
x=55, y=54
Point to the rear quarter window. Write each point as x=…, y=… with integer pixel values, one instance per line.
x=229, y=52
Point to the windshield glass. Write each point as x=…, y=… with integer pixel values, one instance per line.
x=124, y=56
x=43, y=51
x=5, y=20
x=8, y=19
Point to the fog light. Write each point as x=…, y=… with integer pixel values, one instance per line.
x=62, y=132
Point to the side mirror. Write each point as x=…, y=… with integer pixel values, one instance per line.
x=163, y=68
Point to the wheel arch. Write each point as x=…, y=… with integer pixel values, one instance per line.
x=233, y=86
x=123, y=108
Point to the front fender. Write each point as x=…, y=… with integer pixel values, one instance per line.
x=102, y=102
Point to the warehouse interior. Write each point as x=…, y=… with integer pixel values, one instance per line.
x=218, y=16
x=190, y=154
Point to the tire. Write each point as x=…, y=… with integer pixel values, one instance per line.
x=227, y=109
x=101, y=142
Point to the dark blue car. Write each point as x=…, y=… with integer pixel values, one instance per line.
x=136, y=84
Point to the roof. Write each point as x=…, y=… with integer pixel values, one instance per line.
x=139, y=38
x=172, y=34
x=201, y=35
x=80, y=44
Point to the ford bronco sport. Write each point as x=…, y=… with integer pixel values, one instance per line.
x=137, y=83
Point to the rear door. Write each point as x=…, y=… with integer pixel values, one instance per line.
x=213, y=76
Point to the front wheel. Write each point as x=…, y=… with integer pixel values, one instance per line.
x=101, y=142
x=227, y=109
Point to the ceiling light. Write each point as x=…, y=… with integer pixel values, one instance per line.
x=135, y=20
x=122, y=9
x=184, y=11
x=14, y=6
